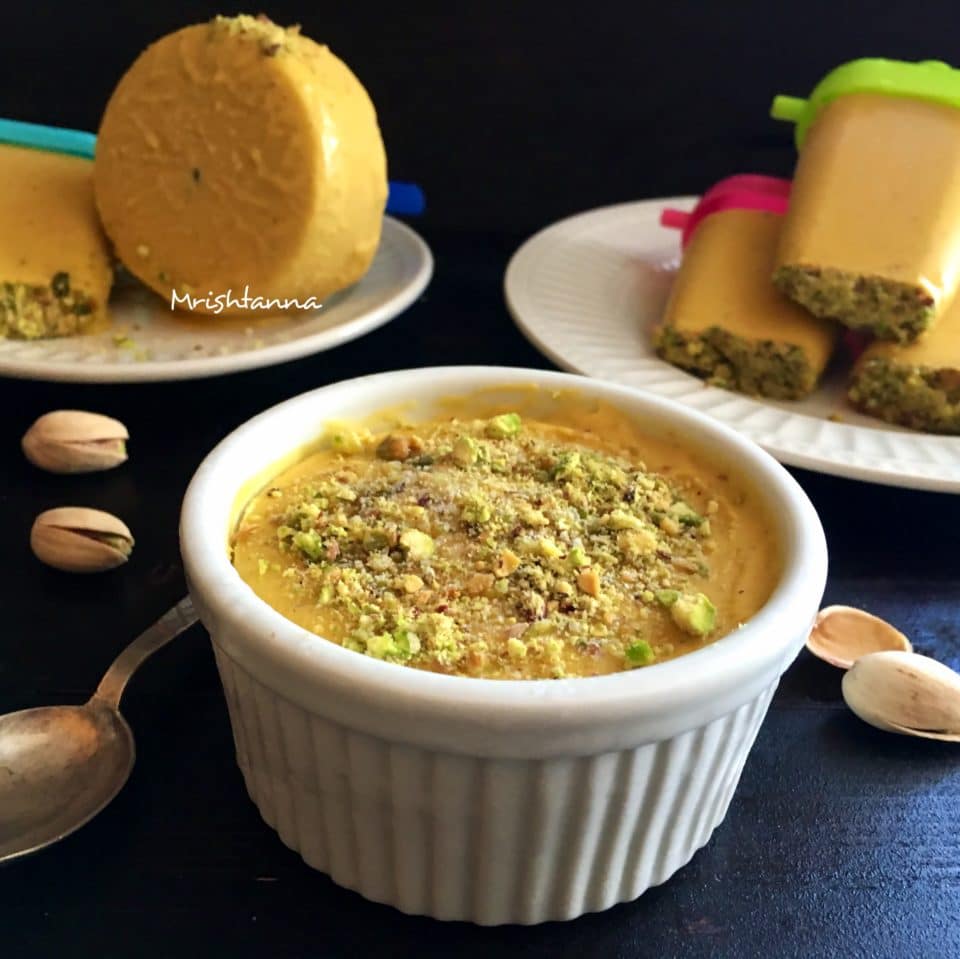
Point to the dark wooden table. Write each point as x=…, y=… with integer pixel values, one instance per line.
x=840, y=840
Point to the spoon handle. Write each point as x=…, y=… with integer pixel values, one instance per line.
x=169, y=626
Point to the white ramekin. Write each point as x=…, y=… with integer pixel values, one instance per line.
x=483, y=800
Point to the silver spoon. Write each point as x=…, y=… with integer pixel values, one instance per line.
x=60, y=765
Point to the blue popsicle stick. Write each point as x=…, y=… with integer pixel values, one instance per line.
x=403, y=199
x=75, y=142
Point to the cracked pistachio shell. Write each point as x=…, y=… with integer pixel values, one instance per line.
x=73, y=441
x=80, y=540
x=842, y=634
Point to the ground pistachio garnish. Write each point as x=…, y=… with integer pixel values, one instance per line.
x=493, y=547
x=33, y=312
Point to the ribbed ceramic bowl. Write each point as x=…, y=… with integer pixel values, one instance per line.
x=483, y=800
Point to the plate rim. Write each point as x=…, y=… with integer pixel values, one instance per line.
x=205, y=367
x=900, y=478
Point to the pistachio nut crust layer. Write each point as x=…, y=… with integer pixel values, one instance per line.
x=872, y=234
x=779, y=371
x=889, y=309
x=922, y=398
x=917, y=385
x=726, y=323
x=55, y=270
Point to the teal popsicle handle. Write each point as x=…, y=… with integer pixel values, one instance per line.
x=405, y=199
x=75, y=142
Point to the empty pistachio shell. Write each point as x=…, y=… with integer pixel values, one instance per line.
x=72, y=441
x=905, y=693
x=842, y=634
x=80, y=540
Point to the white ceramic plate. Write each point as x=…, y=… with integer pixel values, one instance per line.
x=586, y=292
x=147, y=341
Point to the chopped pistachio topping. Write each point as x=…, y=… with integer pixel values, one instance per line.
x=667, y=597
x=694, y=614
x=465, y=451
x=640, y=653
x=271, y=38
x=504, y=425
x=418, y=545
x=488, y=549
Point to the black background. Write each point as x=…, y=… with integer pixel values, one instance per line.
x=840, y=840
x=513, y=114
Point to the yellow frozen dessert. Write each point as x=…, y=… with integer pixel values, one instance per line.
x=872, y=236
x=240, y=158
x=917, y=385
x=725, y=322
x=509, y=548
x=55, y=271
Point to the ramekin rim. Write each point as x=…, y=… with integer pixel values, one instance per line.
x=708, y=671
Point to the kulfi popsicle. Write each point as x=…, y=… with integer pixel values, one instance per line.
x=872, y=237
x=55, y=266
x=238, y=155
x=916, y=385
x=724, y=321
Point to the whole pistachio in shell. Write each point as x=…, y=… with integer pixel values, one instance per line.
x=80, y=540
x=73, y=441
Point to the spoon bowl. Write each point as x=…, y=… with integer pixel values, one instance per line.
x=60, y=765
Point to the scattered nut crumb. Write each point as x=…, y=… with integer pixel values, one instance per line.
x=589, y=582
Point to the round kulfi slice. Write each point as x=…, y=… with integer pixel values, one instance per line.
x=238, y=158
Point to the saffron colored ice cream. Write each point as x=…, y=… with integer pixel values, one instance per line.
x=238, y=155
